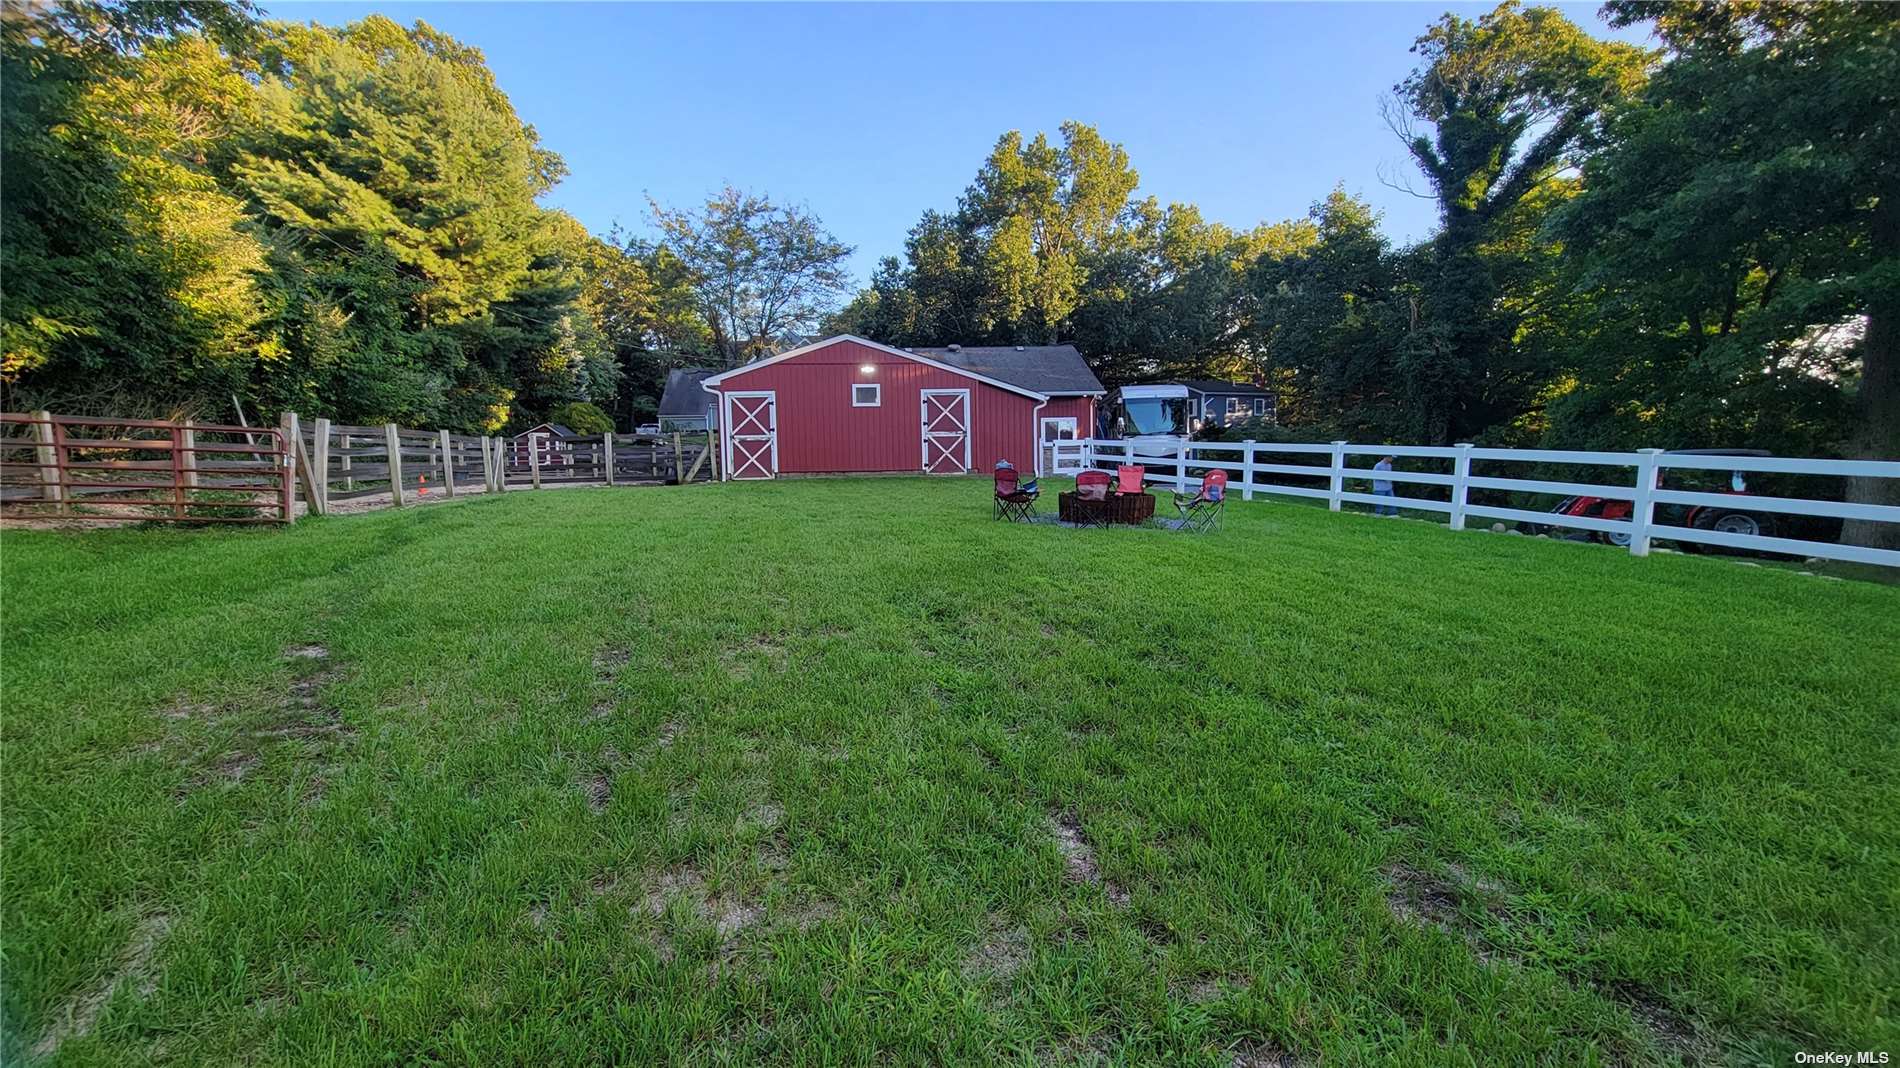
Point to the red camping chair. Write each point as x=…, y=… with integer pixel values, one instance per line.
x=1091, y=485
x=1201, y=512
x=1128, y=478
x=1015, y=501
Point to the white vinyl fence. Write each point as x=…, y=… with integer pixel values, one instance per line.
x=1334, y=477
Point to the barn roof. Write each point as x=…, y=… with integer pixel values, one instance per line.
x=682, y=395
x=1051, y=369
x=556, y=429
x=923, y=356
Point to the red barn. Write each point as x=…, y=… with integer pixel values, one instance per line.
x=845, y=405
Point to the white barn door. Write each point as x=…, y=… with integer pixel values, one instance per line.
x=751, y=424
x=946, y=414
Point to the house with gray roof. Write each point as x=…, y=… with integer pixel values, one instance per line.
x=1212, y=402
x=686, y=407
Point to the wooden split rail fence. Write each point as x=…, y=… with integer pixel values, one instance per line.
x=338, y=462
x=141, y=470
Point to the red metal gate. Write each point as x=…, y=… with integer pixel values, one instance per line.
x=142, y=470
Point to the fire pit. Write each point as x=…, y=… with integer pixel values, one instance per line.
x=1128, y=508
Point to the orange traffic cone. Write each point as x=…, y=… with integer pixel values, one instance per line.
x=424, y=491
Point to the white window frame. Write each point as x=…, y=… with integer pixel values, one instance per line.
x=877, y=395
x=1260, y=406
x=1236, y=406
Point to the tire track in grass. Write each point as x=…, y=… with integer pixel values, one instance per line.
x=1419, y=898
x=1078, y=858
x=79, y=1015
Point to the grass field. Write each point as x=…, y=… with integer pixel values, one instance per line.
x=843, y=772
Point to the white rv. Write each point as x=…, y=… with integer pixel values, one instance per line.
x=1152, y=419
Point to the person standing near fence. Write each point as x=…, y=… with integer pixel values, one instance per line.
x=1383, y=487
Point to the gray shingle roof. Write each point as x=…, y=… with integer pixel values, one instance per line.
x=682, y=395
x=1210, y=385
x=1041, y=368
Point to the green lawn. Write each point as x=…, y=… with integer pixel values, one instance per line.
x=843, y=771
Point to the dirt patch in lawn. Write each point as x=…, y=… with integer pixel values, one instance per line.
x=1202, y=989
x=305, y=714
x=764, y=816
x=599, y=786
x=1421, y=898
x=1670, y=1028
x=182, y=709
x=1262, y=1055
x=741, y=661
x=1078, y=857
x=665, y=736
x=608, y=663
x=727, y=913
x=77, y=1017
x=1001, y=954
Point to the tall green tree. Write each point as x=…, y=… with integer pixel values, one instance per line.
x=128, y=280
x=1499, y=110
x=1740, y=238
x=644, y=300
x=387, y=165
x=765, y=273
x=1330, y=315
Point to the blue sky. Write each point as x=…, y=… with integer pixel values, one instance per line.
x=870, y=114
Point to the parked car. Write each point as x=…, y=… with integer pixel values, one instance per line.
x=1727, y=520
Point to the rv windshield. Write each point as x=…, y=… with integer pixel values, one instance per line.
x=1154, y=415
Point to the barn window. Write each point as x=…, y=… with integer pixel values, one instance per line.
x=866, y=394
x=1260, y=406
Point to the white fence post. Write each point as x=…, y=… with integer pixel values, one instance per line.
x=1460, y=484
x=1180, y=467
x=1643, y=506
x=607, y=449
x=1336, y=477
x=1246, y=469
x=488, y=467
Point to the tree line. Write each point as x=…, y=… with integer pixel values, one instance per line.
x=207, y=212
x=1693, y=245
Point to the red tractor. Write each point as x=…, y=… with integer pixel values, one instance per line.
x=1699, y=517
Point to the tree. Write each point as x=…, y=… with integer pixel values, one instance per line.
x=129, y=280
x=1330, y=316
x=581, y=417
x=1047, y=245
x=764, y=273
x=1512, y=101
x=1740, y=237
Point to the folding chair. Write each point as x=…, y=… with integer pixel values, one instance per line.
x=1015, y=500
x=1128, y=478
x=1201, y=512
x=1091, y=486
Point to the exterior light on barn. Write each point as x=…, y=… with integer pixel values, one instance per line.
x=869, y=368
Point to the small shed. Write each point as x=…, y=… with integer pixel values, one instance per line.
x=684, y=406
x=542, y=438
x=849, y=405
